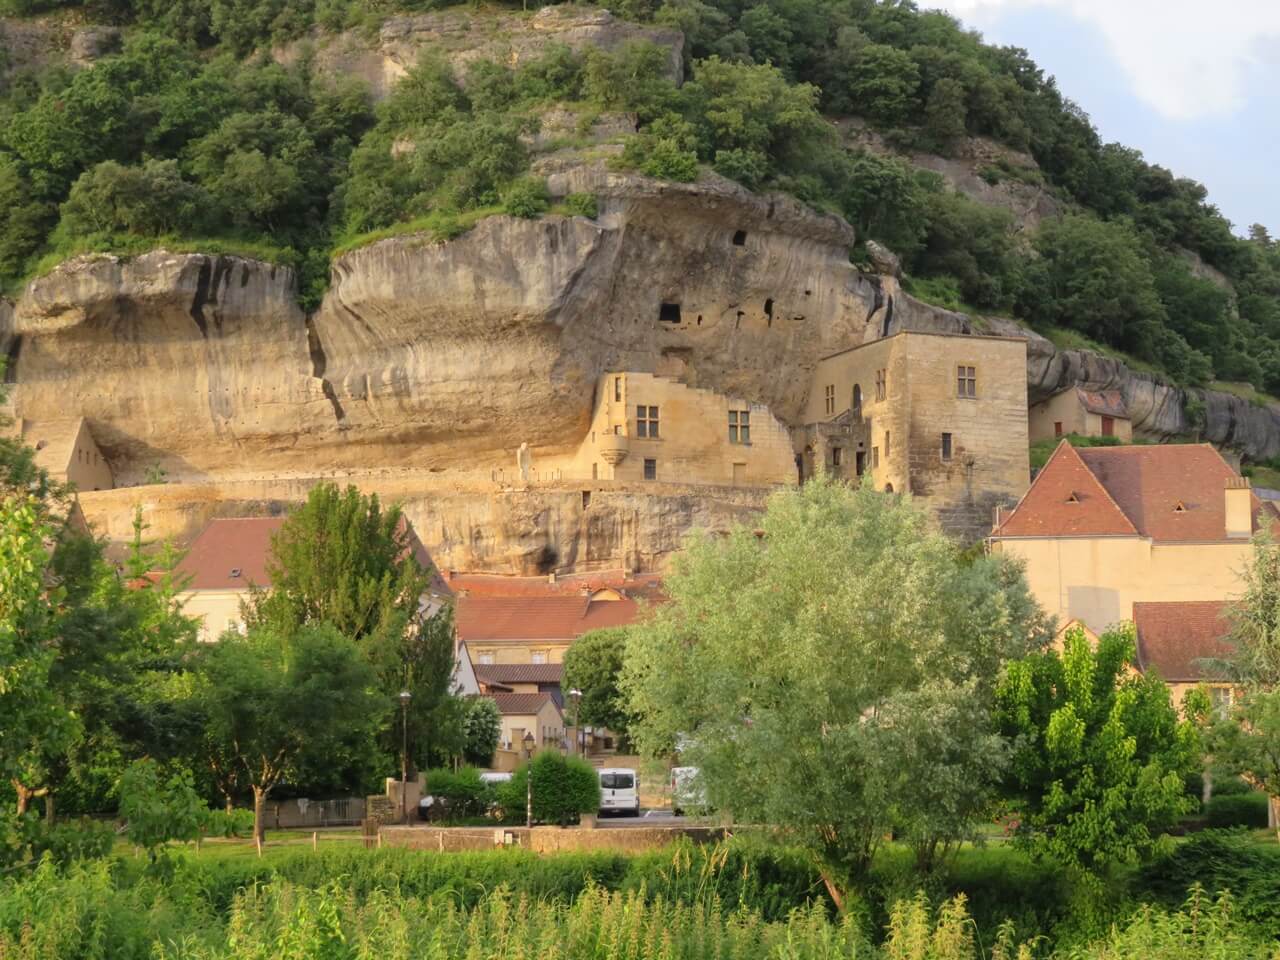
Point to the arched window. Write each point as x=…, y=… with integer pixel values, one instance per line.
x=857, y=400
x=888, y=488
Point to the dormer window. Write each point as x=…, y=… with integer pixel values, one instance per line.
x=1072, y=497
x=235, y=572
x=1179, y=508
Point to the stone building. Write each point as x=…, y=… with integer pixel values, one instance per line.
x=1103, y=530
x=943, y=416
x=1089, y=413
x=646, y=427
x=67, y=450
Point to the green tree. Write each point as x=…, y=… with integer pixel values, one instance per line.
x=785, y=663
x=1248, y=743
x=1255, y=621
x=277, y=701
x=1100, y=754
x=482, y=727
x=564, y=788
x=944, y=113
x=152, y=199
x=158, y=809
x=593, y=665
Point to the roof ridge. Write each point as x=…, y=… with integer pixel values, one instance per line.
x=1032, y=485
x=1105, y=492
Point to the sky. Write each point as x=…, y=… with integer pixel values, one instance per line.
x=1194, y=85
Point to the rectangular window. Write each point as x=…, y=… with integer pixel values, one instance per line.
x=946, y=446
x=617, y=389
x=538, y=656
x=860, y=462
x=887, y=448
x=1220, y=697
x=966, y=382
x=739, y=426
x=485, y=656
x=830, y=397
x=647, y=422
x=875, y=458
x=882, y=384
x=837, y=455
x=651, y=469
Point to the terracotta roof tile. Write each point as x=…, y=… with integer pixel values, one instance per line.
x=1066, y=500
x=517, y=704
x=538, y=618
x=646, y=585
x=1128, y=490
x=520, y=672
x=1106, y=403
x=230, y=554
x=1174, y=637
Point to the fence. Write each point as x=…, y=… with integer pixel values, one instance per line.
x=291, y=814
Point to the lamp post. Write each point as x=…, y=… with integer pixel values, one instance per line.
x=529, y=744
x=576, y=696
x=405, y=697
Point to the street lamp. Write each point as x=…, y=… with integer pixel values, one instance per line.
x=405, y=697
x=529, y=744
x=576, y=696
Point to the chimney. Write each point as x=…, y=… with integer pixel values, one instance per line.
x=1239, y=502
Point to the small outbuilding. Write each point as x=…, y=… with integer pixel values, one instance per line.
x=1086, y=413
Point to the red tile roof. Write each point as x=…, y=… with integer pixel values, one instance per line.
x=1066, y=500
x=1174, y=637
x=240, y=545
x=538, y=618
x=517, y=704
x=520, y=672
x=1129, y=490
x=1107, y=403
x=647, y=585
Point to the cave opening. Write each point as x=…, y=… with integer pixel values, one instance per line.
x=669, y=313
x=739, y=238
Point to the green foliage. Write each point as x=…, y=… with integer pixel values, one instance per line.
x=1237, y=810
x=759, y=663
x=482, y=728
x=526, y=197
x=460, y=794
x=1248, y=742
x=1042, y=450
x=563, y=788
x=272, y=702
x=582, y=205
x=159, y=809
x=593, y=665
x=227, y=823
x=1100, y=755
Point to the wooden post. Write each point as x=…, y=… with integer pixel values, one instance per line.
x=315, y=839
x=379, y=839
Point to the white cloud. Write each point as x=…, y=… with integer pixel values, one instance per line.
x=1186, y=58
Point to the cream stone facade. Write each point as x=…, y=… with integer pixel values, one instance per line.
x=529, y=713
x=67, y=450
x=1088, y=414
x=646, y=427
x=941, y=416
x=1106, y=527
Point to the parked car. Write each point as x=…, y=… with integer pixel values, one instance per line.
x=493, y=779
x=619, y=791
x=687, y=791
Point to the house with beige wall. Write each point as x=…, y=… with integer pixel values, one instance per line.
x=221, y=568
x=67, y=451
x=523, y=713
x=1087, y=413
x=1180, y=640
x=942, y=416
x=1104, y=528
x=535, y=630
x=647, y=427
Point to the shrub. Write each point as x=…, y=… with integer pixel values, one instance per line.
x=582, y=205
x=563, y=789
x=228, y=823
x=159, y=810
x=1230, y=787
x=526, y=197
x=1238, y=810
x=461, y=794
x=71, y=840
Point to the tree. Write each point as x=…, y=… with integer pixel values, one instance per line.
x=593, y=665
x=1255, y=621
x=944, y=113
x=786, y=663
x=157, y=809
x=275, y=701
x=1100, y=754
x=564, y=788
x=1249, y=743
x=482, y=727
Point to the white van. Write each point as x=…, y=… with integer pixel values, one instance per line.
x=619, y=791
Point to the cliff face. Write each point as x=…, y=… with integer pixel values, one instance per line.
x=439, y=355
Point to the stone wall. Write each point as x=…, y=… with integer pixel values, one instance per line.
x=545, y=839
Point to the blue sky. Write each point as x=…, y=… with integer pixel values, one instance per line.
x=1194, y=86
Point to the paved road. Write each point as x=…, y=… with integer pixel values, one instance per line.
x=647, y=818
